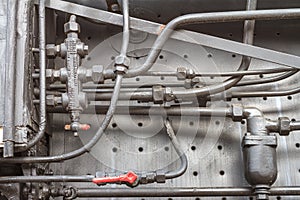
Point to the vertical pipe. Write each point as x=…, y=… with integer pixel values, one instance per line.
x=10, y=61
x=42, y=65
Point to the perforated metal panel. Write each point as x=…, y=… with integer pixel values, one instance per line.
x=212, y=145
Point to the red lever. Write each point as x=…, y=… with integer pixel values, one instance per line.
x=130, y=178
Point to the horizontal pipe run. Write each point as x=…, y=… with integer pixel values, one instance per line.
x=45, y=179
x=144, y=110
x=181, y=192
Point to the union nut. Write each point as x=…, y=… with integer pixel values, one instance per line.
x=183, y=73
x=122, y=63
x=284, y=126
x=97, y=74
x=237, y=112
x=52, y=50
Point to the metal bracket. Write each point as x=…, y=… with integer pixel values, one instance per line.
x=183, y=35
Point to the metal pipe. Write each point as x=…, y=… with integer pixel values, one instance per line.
x=263, y=93
x=200, y=18
x=126, y=31
x=267, y=80
x=87, y=147
x=248, y=36
x=144, y=110
x=45, y=179
x=10, y=62
x=42, y=71
x=295, y=125
x=183, y=159
x=111, y=110
x=179, y=192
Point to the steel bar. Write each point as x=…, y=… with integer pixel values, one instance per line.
x=181, y=192
x=144, y=110
x=193, y=37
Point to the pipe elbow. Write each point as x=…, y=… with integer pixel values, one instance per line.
x=252, y=112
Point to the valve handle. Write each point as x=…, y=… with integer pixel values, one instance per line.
x=129, y=178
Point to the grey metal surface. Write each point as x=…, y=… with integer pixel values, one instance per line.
x=213, y=146
x=202, y=39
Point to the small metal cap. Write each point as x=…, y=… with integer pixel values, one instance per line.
x=72, y=25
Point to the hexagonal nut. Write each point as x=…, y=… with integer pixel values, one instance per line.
x=237, y=112
x=50, y=100
x=97, y=74
x=284, y=125
x=72, y=25
x=122, y=60
x=160, y=177
x=181, y=73
x=52, y=50
x=158, y=94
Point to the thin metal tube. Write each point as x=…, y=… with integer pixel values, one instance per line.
x=267, y=80
x=126, y=25
x=263, y=93
x=87, y=147
x=199, y=18
x=42, y=71
x=248, y=72
x=248, y=36
x=10, y=62
x=180, y=192
x=183, y=159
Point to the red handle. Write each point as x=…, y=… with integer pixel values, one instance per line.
x=130, y=178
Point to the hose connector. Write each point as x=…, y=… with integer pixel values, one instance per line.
x=122, y=63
